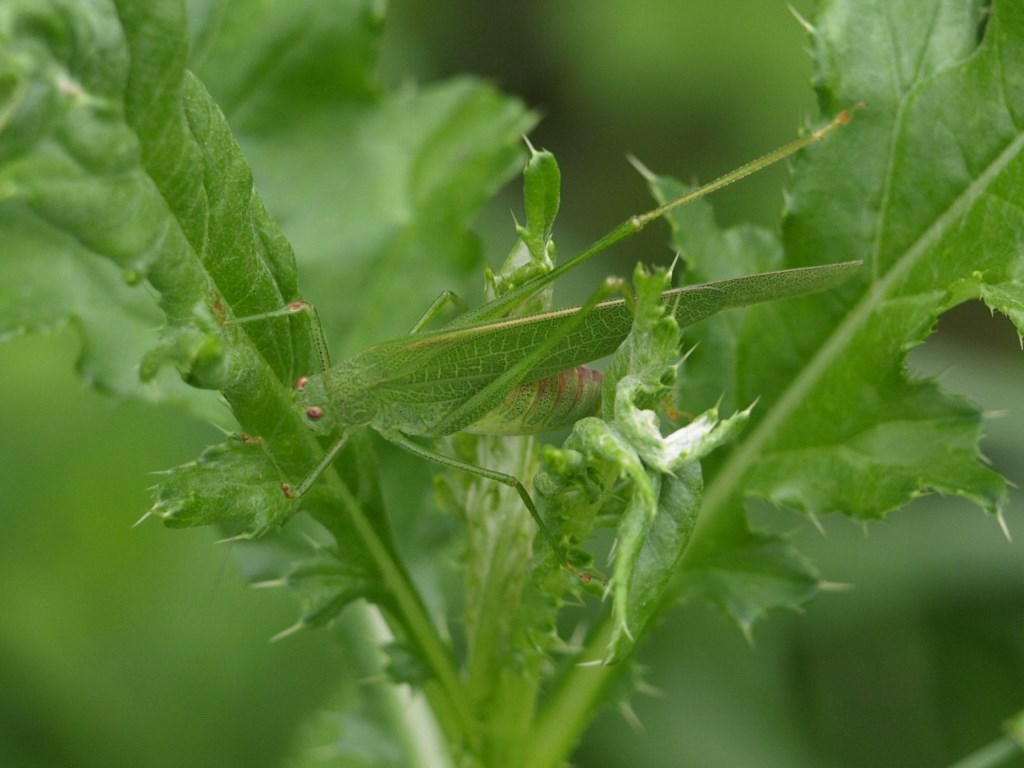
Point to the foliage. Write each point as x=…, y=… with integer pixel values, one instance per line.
x=118, y=167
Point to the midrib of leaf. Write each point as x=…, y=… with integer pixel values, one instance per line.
x=453, y=711
x=728, y=479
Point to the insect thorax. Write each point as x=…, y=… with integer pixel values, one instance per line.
x=330, y=406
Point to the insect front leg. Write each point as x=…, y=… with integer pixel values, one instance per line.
x=445, y=297
x=299, y=490
x=316, y=330
x=323, y=358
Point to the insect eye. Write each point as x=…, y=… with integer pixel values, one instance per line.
x=300, y=383
x=314, y=413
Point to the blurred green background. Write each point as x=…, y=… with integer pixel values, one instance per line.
x=124, y=646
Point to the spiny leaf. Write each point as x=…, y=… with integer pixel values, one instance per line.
x=936, y=186
x=133, y=163
x=226, y=485
x=746, y=572
x=922, y=187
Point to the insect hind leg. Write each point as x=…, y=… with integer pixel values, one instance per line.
x=403, y=442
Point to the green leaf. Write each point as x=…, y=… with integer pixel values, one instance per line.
x=102, y=153
x=70, y=187
x=745, y=572
x=326, y=583
x=939, y=154
x=655, y=528
x=225, y=485
x=920, y=186
x=272, y=64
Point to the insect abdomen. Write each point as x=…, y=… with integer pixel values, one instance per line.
x=550, y=403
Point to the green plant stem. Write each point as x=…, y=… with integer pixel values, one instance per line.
x=503, y=691
x=415, y=724
x=445, y=693
x=571, y=707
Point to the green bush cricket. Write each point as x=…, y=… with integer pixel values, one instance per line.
x=491, y=373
